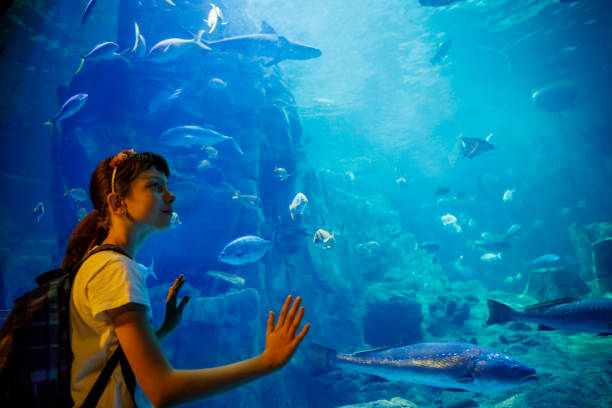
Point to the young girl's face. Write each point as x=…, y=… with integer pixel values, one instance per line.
x=149, y=201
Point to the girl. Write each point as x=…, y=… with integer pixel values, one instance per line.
x=110, y=307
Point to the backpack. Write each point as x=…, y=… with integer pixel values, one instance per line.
x=35, y=353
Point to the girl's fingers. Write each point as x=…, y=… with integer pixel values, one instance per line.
x=283, y=313
x=296, y=323
x=270, y=322
x=300, y=336
x=293, y=311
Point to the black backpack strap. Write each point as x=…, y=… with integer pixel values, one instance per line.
x=130, y=381
x=128, y=375
x=118, y=356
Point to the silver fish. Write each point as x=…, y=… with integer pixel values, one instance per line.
x=587, y=315
x=452, y=366
x=195, y=136
x=69, y=108
x=249, y=248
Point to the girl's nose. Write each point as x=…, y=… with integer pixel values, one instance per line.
x=170, y=197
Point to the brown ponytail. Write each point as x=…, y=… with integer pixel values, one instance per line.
x=93, y=229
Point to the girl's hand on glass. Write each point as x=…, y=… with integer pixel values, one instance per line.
x=281, y=340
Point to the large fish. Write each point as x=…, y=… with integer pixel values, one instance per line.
x=171, y=49
x=249, y=248
x=587, y=315
x=195, y=136
x=266, y=44
x=69, y=108
x=452, y=366
x=102, y=51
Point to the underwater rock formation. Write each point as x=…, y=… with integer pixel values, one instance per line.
x=591, y=244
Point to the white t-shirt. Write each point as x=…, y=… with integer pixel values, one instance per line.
x=106, y=280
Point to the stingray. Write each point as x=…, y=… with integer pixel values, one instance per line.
x=471, y=146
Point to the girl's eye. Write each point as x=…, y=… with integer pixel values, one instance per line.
x=158, y=187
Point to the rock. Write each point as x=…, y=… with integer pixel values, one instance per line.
x=554, y=283
x=583, y=238
x=392, y=317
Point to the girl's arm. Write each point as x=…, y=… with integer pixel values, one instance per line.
x=165, y=386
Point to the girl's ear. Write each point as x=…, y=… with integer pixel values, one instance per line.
x=116, y=204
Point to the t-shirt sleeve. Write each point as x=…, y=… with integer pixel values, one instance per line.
x=116, y=284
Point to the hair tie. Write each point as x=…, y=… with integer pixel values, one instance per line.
x=117, y=161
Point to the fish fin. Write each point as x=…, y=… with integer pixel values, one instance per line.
x=498, y=312
x=198, y=41
x=321, y=358
x=273, y=61
x=292, y=216
x=237, y=146
x=80, y=66
x=455, y=390
x=151, y=269
x=266, y=28
x=373, y=350
x=544, y=328
x=550, y=303
x=604, y=334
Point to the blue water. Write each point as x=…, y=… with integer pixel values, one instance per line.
x=368, y=131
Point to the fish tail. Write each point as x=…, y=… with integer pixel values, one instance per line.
x=498, y=312
x=51, y=123
x=321, y=358
x=80, y=65
x=198, y=41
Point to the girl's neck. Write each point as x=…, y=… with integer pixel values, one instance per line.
x=130, y=242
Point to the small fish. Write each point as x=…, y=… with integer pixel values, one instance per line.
x=69, y=108
x=250, y=200
x=565, y=211
x=214, y=15
x=281, y=173
x=509, y=195
x=227, y=277
x=349, y=176
x=77, y=194
x=431, y=246
x=39, y=211
x=148, y=271
x=489, y=257
x=171, y=49
x=211, y=152
x=175, y=221
x=81, y=213
x=401, y=182
x=102, y=51
x=448, y=219
x=217, y=83
x=249, y=248
x=587, y=315
x=513, y=231
x=90, y=5
x=140, y=45
x=170, y=2
x=324, y=239
x=442, y=51
x=452, y=366
x=544, y=260
x=298, y=205
x=163, y=101
x=463, y=269
x=195, y=136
